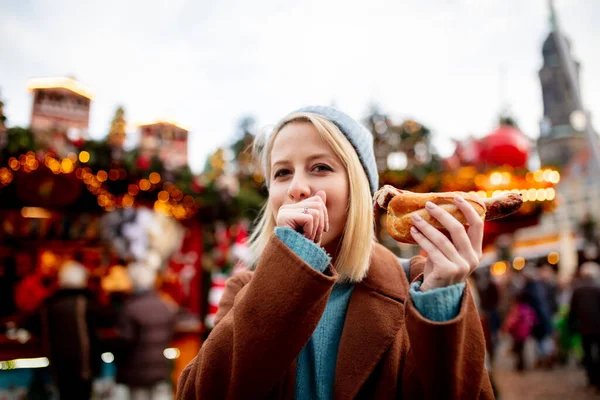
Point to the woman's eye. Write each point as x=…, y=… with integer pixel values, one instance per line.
x=281, y=172
x=322, y=168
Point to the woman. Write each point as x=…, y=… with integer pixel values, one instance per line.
x=327, y=312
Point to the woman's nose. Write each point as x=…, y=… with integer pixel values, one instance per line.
x=299, y=189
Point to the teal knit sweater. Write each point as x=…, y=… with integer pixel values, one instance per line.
x=315, y=371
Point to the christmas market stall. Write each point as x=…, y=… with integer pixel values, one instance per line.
x=64, y=197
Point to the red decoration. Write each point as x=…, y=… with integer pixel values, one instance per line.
x=217, y=287
x=231, y=247
x=78, y=142
x=143, y=163
x=185, y=265
x=505, y=146
x=31, y=292
x=197, y=185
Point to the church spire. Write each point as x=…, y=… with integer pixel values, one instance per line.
x=553, y=20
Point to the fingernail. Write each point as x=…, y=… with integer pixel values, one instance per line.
x=430, y=205
x=459, y=199
x=414, y=230
x=416, y=217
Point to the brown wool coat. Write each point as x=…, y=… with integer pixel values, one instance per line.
x=387, y=350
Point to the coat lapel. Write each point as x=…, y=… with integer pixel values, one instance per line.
x=375, y=315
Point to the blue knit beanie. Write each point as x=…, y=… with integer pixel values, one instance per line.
x=360, y=138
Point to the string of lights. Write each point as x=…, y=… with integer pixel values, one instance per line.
x=170, y=200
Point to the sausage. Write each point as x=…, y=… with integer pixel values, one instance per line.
x=502, y=205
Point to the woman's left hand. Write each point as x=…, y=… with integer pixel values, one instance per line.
x=449, y=261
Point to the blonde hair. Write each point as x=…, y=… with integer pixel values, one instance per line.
x=353, y=256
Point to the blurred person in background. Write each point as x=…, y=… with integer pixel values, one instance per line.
x=548, y=279
x=584, y=317
x=519, y=324
x=475, y=293
x=568, y=342
x=145, y=329
x=535, y=295
x=489, y=308
x=8, y=277
x=66, y=324
x=513, y=288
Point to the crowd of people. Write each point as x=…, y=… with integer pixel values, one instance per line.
x=75, y=330
x=560, y=318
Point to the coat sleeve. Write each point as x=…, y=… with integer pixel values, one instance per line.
x=260, y=332
x=446, y=359
x=233, y=286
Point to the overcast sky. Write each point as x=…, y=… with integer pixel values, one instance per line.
x=205, y=64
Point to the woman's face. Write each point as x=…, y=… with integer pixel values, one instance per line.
x=302, y=164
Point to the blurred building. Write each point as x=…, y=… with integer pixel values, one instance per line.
x=562, y=137
x=580, y=206
x=59, y=105
x=563, y=141
x=580, y=188
x=166, y=140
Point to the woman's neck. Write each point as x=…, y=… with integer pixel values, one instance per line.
x=332, y=248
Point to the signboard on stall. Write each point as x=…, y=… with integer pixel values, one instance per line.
x=166, y=140
x=60, y=104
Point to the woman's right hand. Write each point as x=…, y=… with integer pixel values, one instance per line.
x=308, y=216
